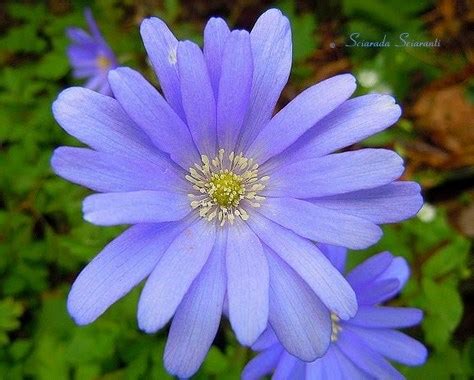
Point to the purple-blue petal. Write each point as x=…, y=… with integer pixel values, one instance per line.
x=300, y=115
x=386, y=317
x=198, y=97
x=263, y=364
x=299, y=319
x=216, y=33
x=147, y=108
x=120, y=266
x=134, y=207
x=386, y=204
x=335, y=174
x=247, y=283
x=393, y=344
x=336, y=255
x=310, y=264
x=234, y=88
x=107, y=172
x=272, y=55
x=174, y=274
x=321, y=224
x=197, y=318
x=161, y=46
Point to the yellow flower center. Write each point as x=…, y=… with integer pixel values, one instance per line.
x=103, y=62
x=225, y=187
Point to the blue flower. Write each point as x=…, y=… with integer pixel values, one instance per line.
x=90, y=56
x=224, y=198
x=360, y=346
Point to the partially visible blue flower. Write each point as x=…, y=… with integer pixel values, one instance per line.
x=360, y=346
x=90, y=56
x=225, y=199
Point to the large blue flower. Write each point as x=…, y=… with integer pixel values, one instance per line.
x=90, y=56
x=360, y=346
x=225, y=199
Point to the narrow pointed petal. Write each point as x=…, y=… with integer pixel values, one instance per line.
x=100, y=122
x=386, y=317
x=247, y=283
x=161, y=47
x=398, y=269
x=321, y=224
x=391, y=203
x=365, y=358
x=393, y=344
x=267, y=339
x=197, y=318
x=309, y=263
x=148, y=109
x=108, y=172
x=299, y=319
x=351, y=122
x=174, y=274
x=216, y=33
x=263, y=364
x=377, y=292
x=234, y=88
x=272, y=55
x=135, y=207
x=336, y=255
x=198, y=97
x=120, y=266
x=286, y=368
x=370, y=269
x=336, y=174
x=348, y=368
x=300, y=115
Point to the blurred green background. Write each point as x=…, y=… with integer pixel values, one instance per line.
x=44, y=242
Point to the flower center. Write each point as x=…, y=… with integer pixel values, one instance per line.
x=103, y=62
x=225, y=187
x=336, y=327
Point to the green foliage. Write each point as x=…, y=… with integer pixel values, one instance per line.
x=44, y=241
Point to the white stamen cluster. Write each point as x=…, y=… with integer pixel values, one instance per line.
x=224, y=186
x=335, y=328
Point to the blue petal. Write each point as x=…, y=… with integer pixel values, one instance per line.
x=365, y=358
x=370, y=269
x=247, y=283
x=197, y=318
x=234, y=88
x=300, y=115
x=267, y=339
x=299, y=319
x=321, y=224
x=108, y=172
x=100, y=122
x=147, y=108
x=161, y=46
x=336, y=255
x=352, y=121
x=216, y=33
x=198, y=97
x=120, y=266
x=335, y=174
x=376, y=292
x=135, y=207
x=393, y=345
x=386, y=317
x=347, y=367
x=271, y=49
x=173, y=275
x=263, y=364
x=286, y=368
x=386, y=204
x=309, y=263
